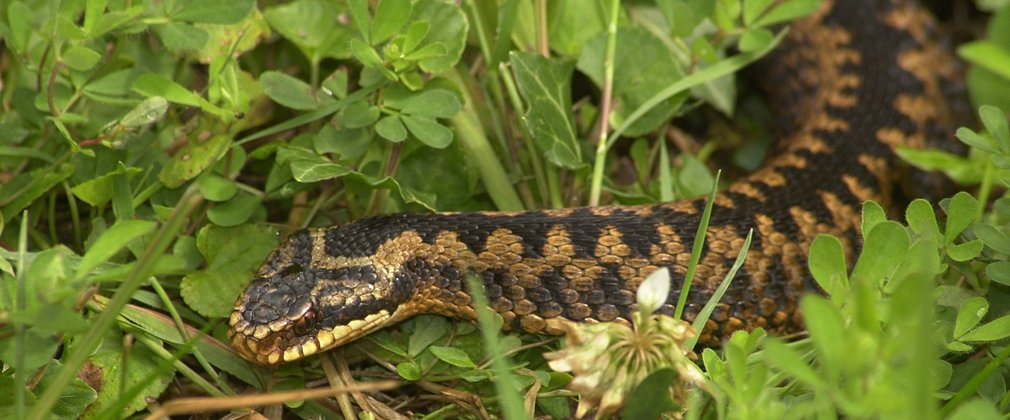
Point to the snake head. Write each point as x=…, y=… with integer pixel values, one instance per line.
x=296, y=311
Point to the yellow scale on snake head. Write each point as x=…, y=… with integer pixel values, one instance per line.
x=852, y=82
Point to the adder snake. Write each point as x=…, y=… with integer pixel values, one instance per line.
x=852, y=82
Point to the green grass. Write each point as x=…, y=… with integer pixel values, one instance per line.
x=153, y=153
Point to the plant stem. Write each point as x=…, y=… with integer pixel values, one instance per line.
x=19, y=327
x=599, y=162
x=985, y=189
x=543, y=46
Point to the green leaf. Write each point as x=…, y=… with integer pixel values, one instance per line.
x=217, y=12
x=116, y=84
x=216, y=188
x=545, y=84
x=643, y=65
x=181, y=37
x=151, y=84
x=999, y=272
x=68, y=29
x=940, y=371
x=93, y=9
x=655, y=389
x=359, y=13
x=693, y=177
x=827, y=265
x=46, y=279
x=970, y=313
x=922, y=220
x=447, y=26
x=193, y=159
x=336, y=83
x=961, y=211
x=995, y=122
x=427, y=330
x=106, y=368
x=307, y=166
x=452, y=356
x=788, y=10
x=114, y=20
x=978, y=141
x=233, y=254
x=392, y=129
x=458, y=177
x=959, y=168
x=359, y=114
x=959, y=347
x=40, y=346
x=782, y=357
x=922, y=259
x=288, y=91
x=827, y=330
x=428, y=131
x=230, y=40
x=366, y=54
x=234, y=212
x=432, y=103
x=19, y=196
x=386, y=341
x=98, y=191
x=19, y=18
x=114, y=239
x=995, y=330
x=756, y=39
x=752, y=9
x=390, y=16
x=306, y=171
x=81, y=58
x=988, y=55
x=977, y=409
x=886, y=244
x=987, y=87
x=52, y=318
x=410, y=371
x=872, y=214
x=415, y=34
x=349, y=144
x=573, y=23
x=964, y=251
x=429, y=51
x=309, y=24
x=148, y=111
x=75, y=399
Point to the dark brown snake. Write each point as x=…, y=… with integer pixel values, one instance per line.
x=852, y=82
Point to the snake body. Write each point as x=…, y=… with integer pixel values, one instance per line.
x=852, y=82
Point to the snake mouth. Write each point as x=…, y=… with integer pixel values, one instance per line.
x=263, y=345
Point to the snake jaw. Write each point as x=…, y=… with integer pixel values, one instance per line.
x=269, y=349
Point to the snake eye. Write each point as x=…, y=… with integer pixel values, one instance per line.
x=291, y=270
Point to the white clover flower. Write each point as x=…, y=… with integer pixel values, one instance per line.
x=609, y=360
x=653, y=291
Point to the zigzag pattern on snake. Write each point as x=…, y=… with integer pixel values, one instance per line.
x=853, y=82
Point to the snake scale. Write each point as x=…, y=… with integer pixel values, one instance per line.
x=851, y=82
